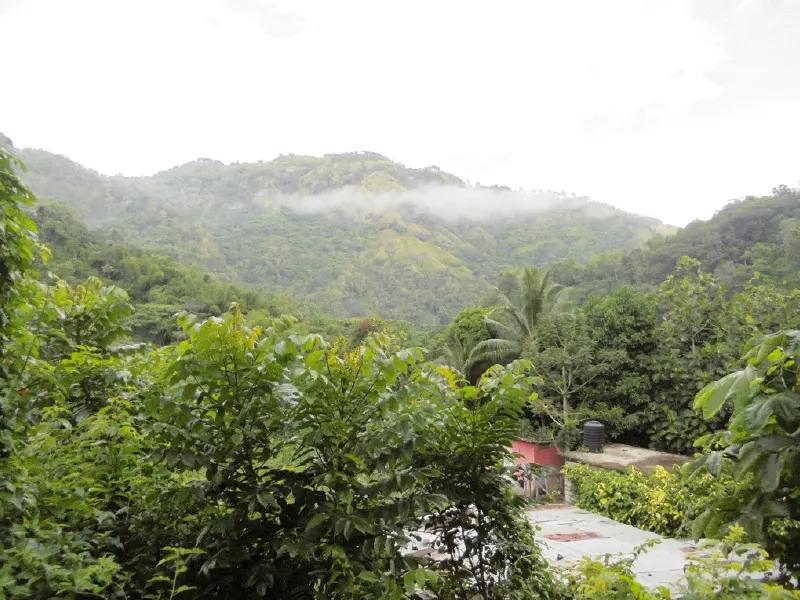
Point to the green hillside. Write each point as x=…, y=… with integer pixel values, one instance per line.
x=755, y=234
x=348, y=234
x=158, y=286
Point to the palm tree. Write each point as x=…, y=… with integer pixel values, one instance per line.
x=514, y=324
x=461, y=357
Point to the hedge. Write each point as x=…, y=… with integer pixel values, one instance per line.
x=661, y=502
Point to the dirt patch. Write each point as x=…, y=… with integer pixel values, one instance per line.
x=551, y=506
x=574, y=537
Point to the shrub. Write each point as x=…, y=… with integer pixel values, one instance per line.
x=661, y=502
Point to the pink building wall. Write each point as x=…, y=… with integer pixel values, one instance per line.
x=536, y=453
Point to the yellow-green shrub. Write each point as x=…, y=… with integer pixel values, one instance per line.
x=661, y=502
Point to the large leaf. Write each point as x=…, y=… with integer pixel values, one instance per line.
x=787, y=409
x=700, y=523
x=316, y=520
x=756, y=415
x=771, y=475
x=712, y=397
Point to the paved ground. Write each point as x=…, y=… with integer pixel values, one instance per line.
x=568, y=533
x=621, y=457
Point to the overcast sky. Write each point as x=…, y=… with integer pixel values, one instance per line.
x=663, y=107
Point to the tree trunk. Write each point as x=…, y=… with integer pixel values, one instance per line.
x=564, y=408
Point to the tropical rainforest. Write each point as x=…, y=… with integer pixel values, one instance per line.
x=301, y=379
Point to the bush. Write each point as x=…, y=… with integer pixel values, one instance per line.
x=247, y=462
x=662, y=502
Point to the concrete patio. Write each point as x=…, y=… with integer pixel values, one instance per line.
x=568, y=533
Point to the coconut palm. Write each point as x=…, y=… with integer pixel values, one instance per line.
x=514, y=324
x=461, y=357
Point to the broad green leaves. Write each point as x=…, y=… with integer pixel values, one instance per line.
x=316, y=461
x=760, y=448
x=18, y=239
x=731, y=387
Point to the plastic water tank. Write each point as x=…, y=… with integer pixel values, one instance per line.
x=594, y=435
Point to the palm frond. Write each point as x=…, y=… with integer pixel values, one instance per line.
x=497, y=351
x=514, y=331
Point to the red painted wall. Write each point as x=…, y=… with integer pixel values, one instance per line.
x=536, y=453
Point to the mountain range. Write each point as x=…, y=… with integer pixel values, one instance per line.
x=346, y=234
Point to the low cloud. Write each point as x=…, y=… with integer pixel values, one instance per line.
x=450, y=203
x=274, y=21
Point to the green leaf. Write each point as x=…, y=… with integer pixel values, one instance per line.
x=771, y=475
x=266, y=499
x=749, y=455
x=712, y=397
x=765, y=348
x=348, y=529
x=360, y=524
x=775, y=355
x=338, y=528
x=184, y=588
x=369, y=577
x=316, y=520
x=787, y=409
x=756, y=414
x=410, y=583
x=714, y=463
x=21, y=591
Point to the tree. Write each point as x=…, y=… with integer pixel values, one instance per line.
x=312, y=464
x=459, y=342
x=690, y=354
x=18, y=243
x=17, y=234
x=693, y=300
x=79, y=487
x=759, y=448
x=525, y=300
x=763, y=306
x=482, y=531
x=567, y=361
x=624, y=327
x=463, y=358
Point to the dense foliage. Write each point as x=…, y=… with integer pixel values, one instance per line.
x=158, y=286
x=746, y=477
x=752, y=234
x=245, y=462
x=760, y=448
x=287, y=466
x=633, y=359
x=17, y=234
x=246, y=456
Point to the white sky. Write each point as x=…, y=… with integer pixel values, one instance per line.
x=663, y=107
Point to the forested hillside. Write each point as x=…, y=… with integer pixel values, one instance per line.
x=753, y=234
x=352, y=234
x=158, y=286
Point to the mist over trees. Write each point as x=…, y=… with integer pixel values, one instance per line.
x=348, y=234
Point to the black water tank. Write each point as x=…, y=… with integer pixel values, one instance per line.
x=594, y=435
